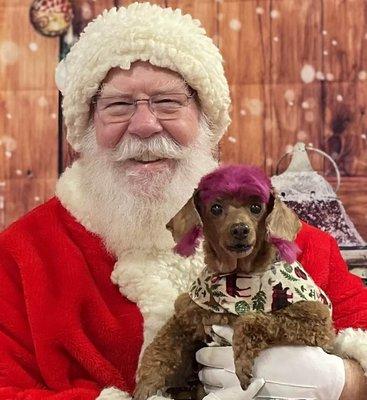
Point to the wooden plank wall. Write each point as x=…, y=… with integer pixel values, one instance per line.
x=297, y=71
x=28, y=113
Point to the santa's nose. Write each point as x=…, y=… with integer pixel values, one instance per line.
x=144, y=123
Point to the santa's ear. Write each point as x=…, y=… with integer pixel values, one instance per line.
x=282, y=226
x=186, y=226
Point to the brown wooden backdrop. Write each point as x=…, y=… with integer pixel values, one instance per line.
x=297, y=71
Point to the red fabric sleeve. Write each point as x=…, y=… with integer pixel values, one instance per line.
x=347, y=293
x=20, y=377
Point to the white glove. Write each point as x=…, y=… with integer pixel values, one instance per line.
x=281, y=372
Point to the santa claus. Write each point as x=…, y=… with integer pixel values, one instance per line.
x=89, y=277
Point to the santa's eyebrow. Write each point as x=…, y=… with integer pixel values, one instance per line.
x=160, y=87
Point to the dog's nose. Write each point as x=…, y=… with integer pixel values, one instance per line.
x=239, y=231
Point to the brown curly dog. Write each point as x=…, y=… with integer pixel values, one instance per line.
x=251, y=281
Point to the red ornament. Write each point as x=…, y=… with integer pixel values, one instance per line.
x=51, y=17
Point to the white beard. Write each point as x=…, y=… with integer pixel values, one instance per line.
x=129, y=211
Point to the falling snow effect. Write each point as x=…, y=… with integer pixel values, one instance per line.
x=9, y=53
x=308, y=73
x=255, y=106
x=362, y=75
x=235, y=24
x=274, y=14
x=33, y=46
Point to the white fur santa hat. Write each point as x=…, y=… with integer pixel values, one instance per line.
x=145, y=32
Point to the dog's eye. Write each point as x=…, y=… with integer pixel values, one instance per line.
x=216, y=209
x=255, y=208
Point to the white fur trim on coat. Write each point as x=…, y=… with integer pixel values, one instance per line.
x=154, y=281
x=116, y=394
x=352, y=343
x=146, y=32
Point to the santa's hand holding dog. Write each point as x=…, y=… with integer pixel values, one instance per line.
x=88, y=278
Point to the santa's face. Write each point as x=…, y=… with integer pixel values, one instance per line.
x=115, y=126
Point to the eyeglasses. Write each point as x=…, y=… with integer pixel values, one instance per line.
x=168, y=106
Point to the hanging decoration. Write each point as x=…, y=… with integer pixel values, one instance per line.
x=51, y=17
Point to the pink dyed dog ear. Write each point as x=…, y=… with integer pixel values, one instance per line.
x=288, y=251
x=282, y=226
x=186, y=247
x=186, y=227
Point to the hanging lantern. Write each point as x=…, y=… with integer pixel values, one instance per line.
x=51, y=17
x=316, y=202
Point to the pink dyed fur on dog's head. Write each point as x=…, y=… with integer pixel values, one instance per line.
x=240, y=182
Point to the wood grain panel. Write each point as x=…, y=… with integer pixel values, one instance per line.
x=204, y=10
x=100, y=5
x=244, y=40
x=345, y=39
x=27, y=59
x=18, y=196
x=244, y=141
x=28, y=134
x=346, y=126
x=296, y=42
x=294, y=113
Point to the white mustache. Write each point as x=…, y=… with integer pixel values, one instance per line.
x=160, y=146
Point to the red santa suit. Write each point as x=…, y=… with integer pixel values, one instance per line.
x=67, y=331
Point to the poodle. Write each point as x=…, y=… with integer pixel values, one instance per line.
x=251, y=280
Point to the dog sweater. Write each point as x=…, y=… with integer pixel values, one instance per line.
x=277, y=287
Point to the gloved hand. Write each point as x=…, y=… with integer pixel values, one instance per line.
x=281, y=372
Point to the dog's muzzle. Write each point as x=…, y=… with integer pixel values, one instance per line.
x=239, y=231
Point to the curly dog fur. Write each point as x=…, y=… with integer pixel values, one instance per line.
x=245, y=228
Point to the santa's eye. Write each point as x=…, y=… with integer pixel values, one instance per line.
x=255, y=208
x=216, y=209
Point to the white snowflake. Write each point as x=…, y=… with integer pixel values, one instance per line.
x=339, y=97
x=274, y=14
x=232, y=139
x=289, y=95
x=259, y=10
x=9, y=52
x=33, y=46
x=302, y=136
x=308, y=73
x=320, y=75
x=235, y=24
x=42, y=101
x=362, y=75
x=330, y=76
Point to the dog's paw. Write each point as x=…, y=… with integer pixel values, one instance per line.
x=244, y=372
x=245, y=381
x=143, y=392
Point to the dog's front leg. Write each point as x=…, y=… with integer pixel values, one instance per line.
x=252, y=333
x=306, y=323
x=163, y=359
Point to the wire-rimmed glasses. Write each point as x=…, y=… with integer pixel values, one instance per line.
x=113, y=109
